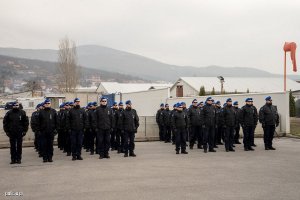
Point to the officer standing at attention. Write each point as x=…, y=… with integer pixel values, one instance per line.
x=269, y=118
x=119, y=136
x=248, y=119
x=33, y=125
x=130, y=124
x=113, y=139
x=195, y=124
x=105, y=121
x=15, y=125
x=76, y=123
x=208, y=121
x=47, y=124
x=180, y=125
x=237, y=127
x=160, y=125
x=229, y=118
x=165, y=119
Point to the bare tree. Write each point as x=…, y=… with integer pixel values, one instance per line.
x=69, y=71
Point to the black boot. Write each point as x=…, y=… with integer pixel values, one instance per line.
x=132, y=154
x=13, y=161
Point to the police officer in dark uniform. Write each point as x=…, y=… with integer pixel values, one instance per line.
x=195, y=123
x=15, y=125
x=61, y=119
x=105, y=122
x=33, y=125
x=180, y=123
x=269, y=118
x=173, y=138
x=130, y=124
x=219, y=126
x=237, y=127
x=47, y=125
x=113, y=139
x=120, y=135
x=248, y=119
x=208, y=121
x=229, y=118
x=91, y=127
x=76, y=123
x=165, y=120
x=159, y=123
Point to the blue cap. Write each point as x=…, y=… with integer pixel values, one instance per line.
x=47, y=101
x=94, y=103
x=62, y=105
x=249, y=100
x=103, y=98
x=128, y=102
x=178, y=105
x=76, y=99
x=175, y=105
x=218, y=102
x=166, y=105
x=115, y=103
x=213, y=100
x=183, y=103
x=71, y=103
x=37, y=106
x=208, y=99
x=195, y=100
x=120, y=103
x=162, y=105
x=229, y=100
x=225, y=104
x=236, y=103
x=268, y=98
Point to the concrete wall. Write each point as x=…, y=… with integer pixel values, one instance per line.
x=146, y=102
x=187, y=90
x=280, y=99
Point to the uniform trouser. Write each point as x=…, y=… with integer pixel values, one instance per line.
x=237, y=133
x=180, y=135
x=113, y=139
x=195, y=135
x=47, y=144
x=167, y=133
x=61, y=139
x=161, y=132
x=229, y=135
x=129, y=141
x=268, y=135
x=119, y=140
x=248, y=131
x=252, y=136
x=209, y=137
x=90, y=139
x=219, y=135
x=76, y=142
x=68, y=142
x=173, y=136
x=103, y=145
x=16, y=146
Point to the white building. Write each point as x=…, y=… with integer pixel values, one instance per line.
x=190, y=86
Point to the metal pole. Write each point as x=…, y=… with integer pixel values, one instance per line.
x=285, y=71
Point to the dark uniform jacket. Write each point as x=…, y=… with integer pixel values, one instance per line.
x=47, y=120
x=118, y=119
x=91, y=120
x=165, y=118
x=76, y=119
x=208, y=115
x=62, y=120
x=219, y=120
x=180, y=120
x=229, y=116
x=129, y=120
x=268, y=115
x=158, y=115
x=15, y=122
x=248, y=116
x=194, y=116
x=34, y=121
x=104, y=118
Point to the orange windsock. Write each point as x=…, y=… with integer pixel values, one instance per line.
x=291, y=46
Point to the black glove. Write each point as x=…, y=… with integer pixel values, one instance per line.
x=23, y=134
x=277, y=124
x=8, y=134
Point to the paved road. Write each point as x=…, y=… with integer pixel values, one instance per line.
x=158, y=173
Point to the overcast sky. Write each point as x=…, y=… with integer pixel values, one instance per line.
x=237, y=33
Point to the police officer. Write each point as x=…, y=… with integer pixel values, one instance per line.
x=229, y=118
x=208, y=121
x=180, y=125
x=76, y=123
x=105, y=122
x=165, y=119
x=15, y=125
x=33, y=125
x=61, y=119
x=269, y=118
x=237, y=127
x=159, y=123
x=113, y=139
x=120, y=135
x=47, y=125
x=130, y=124
x=171, y=116
x=248, y=119
x=219, y=126
x=91, y=128
x=195, y=123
